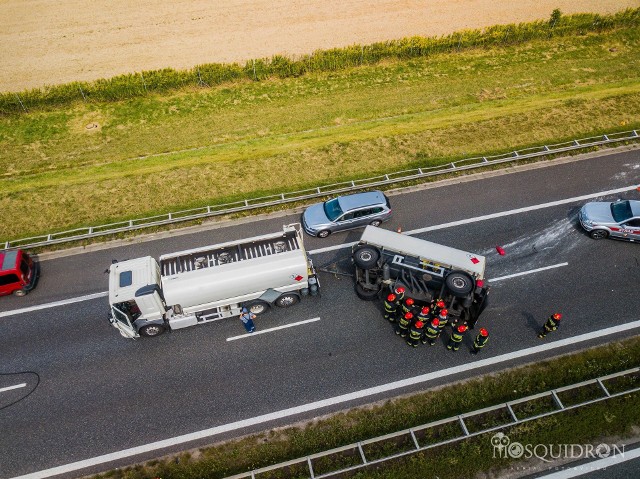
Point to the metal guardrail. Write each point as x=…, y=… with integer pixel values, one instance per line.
x=410, y=435
x=336, y=188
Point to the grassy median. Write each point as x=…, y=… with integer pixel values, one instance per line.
x=92, y=163
x=619, y=417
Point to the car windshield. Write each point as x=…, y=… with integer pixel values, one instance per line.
x=621, y=210
x=332, y=209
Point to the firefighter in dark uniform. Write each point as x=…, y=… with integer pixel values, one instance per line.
x=390, y=308
x=399, y=292
x=431, y=332
x=480, y=341
x=552, y=324
x=407, y=306
x=456, y=337
x=415, y=333
x=443, y=319
x=437, y=305
x=402, y=326
x=424, y=315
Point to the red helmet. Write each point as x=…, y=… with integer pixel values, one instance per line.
x=479, y=283
x=425, y=310
x=435, y=322
x=557, y=316
x=419, y=324
x=409, y=315
x=484, y=332
x=409, y=301
x=391, y=297
x=443, y=313
x=440, y=304
x=462, y=328
x=399, y=290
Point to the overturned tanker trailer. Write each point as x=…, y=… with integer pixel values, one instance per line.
x=385, y=260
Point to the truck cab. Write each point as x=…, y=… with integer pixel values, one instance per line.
x=384, y=260
x=18, y=272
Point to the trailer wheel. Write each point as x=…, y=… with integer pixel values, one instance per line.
x=366, y=256
x=367, y=294
x=459, y=283
x=287, y=299
x=152, y=330
x=257, y=306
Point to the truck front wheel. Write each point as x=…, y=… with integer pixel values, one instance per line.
x=287, y=299
x=258, y=306
x=366, y=256
x=152, y=330
x=367, y=294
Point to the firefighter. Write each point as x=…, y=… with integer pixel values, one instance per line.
x=415, y=333
x=424, y=315
x=437, y=305
x=402, y=327
x=456, y=338
x=552, y=324
x=480, y=341
x=407, y=306
x=431, y=332
x=399, y=292
x=390, y=308
x=443, y=319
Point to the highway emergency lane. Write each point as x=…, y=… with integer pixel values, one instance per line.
x=99, y=393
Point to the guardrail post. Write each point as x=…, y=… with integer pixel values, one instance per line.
x=453, y=165
x=282, y=196
x=49, y=237
x=605, y=137
x=464, y=426
x=513, y=414
x=484, y=159
x=546, y=148
x=420, y=171
x=635, y=133
x=364, y=459
x=606, y=391
x=310, y=467
x=246, y=202
x=557, y=399
x=576, y=142
x=415, y=439
x=515, y=154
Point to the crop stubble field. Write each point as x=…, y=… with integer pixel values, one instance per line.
x=159, y=153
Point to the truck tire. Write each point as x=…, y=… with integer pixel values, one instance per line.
x=366, y=256
x=257, y=307
x=367, y=294
x=152, y=330
x=459, y=283
x=287, y=299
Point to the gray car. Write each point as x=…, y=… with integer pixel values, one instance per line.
x=619, y=219
x=346, y=212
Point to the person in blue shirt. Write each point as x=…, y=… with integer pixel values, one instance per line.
x=247, y=318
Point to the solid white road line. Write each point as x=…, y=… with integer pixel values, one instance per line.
x=531, y=271
x=54, y=304
x=348, y=245
x=209, y=433
x=589, y=467
x=9, y=388
x=492, y=216
x=263, y=331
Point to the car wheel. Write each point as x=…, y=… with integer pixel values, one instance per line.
x=459, y=283
x=366, y=257
x=257, y=307
x=19, y=292
x=376, y=223
x=367, y=294
x=152, y=330
x=324, y=233
x=599, y=234
x=287, y=299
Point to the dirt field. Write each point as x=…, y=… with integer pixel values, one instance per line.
x=52, y=41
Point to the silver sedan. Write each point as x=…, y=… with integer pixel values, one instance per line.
x=619, y=219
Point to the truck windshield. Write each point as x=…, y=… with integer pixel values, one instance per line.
x=621, y=210
x=332, y=209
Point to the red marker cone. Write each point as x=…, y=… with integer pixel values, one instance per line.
x=399, y=229
x=500, y=250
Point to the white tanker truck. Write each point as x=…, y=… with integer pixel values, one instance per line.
x=197, y=286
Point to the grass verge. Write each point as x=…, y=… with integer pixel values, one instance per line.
x=614, y=417
x=93, y=163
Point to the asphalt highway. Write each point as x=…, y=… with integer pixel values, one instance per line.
x=86, y=392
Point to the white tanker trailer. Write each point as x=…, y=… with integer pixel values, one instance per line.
x=197, y=286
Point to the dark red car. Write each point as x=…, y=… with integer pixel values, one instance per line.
x=18, y=272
